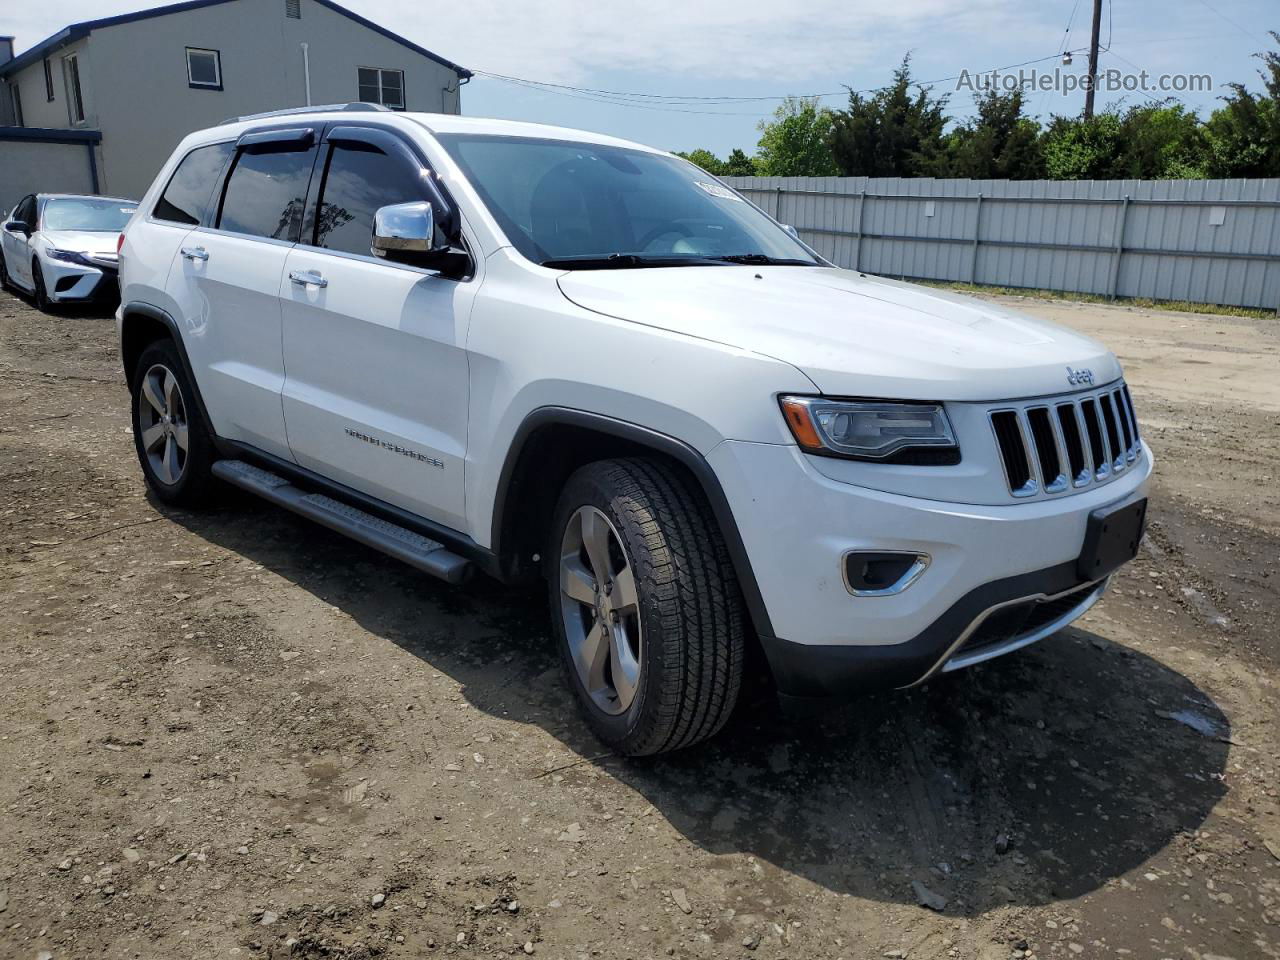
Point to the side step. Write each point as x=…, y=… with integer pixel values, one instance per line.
x=393, y=540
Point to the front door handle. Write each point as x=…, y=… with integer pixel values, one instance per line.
x=308, y=278
x=195, y=253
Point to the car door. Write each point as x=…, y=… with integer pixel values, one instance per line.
x=17, y=243
x=225, y=282
x=376, y=392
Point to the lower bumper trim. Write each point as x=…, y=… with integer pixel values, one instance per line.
x=820, y=671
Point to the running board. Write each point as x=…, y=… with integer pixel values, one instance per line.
x=392, y=539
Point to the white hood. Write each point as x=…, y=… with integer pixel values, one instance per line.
x=852, y=335
x=94, y=242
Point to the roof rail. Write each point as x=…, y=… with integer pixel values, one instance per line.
x=320, y=108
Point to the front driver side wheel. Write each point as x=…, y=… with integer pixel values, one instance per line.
x=171, y=438
x=41, y=295
x=647, y=609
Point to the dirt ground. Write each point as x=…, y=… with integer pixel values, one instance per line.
x=234, y=734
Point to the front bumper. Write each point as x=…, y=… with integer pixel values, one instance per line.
x=67, y=282
x=797, y=524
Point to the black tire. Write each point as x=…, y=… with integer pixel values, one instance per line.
x=4, y=275
x=690, y=605
x=194, y=483
x=40, y=294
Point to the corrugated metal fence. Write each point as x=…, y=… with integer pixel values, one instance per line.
x=1206, y=241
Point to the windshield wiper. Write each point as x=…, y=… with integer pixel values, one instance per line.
x=626, y=261
x=762, y=260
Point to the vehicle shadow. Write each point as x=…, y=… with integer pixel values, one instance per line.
x=1035, y=778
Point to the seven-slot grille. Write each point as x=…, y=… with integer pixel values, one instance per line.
x=1066, y=443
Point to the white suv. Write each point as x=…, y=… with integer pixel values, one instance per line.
x=537, y=352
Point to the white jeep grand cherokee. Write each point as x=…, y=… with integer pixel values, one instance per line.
x=531, y=351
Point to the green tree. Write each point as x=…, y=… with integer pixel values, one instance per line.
x=1161, y=142
x=738, y=165
x=892, y=133
x=795, y=142
x=1079, y=149
x=705, y=159
x=998, y=144
x=1244, y=136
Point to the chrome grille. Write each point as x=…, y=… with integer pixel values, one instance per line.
x=1067, y=443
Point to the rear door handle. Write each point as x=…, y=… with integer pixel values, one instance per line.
x=195, y=253
x=308, y=278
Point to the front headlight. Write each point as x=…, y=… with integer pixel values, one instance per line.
x=879, y=430
x=66, y=256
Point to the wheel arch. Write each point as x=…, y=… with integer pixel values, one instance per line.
x=552, y=442
x=142, y=324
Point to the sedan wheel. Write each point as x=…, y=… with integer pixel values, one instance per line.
x=600, y=610
x=162, y=420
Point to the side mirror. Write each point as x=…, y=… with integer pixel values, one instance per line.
x=17, y=226
x=405, y=231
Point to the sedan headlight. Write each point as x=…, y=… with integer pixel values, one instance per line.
x=878, y=430
x=66, y=256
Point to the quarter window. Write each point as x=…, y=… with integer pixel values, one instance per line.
x=266, y=194
x=204, y=68
x=75, y=97
x=382, y=86
x=358, y=180
x=190, y=196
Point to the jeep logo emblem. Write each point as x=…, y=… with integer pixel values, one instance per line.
x=1082, y=376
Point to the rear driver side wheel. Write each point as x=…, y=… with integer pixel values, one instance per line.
x=647, y=609
x=4, y=274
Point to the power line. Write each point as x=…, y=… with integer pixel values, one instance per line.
x=1216, y=12
x=678, y=103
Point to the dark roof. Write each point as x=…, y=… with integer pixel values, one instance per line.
x=78, y=30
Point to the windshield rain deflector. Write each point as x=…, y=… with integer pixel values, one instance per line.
x=583, y=206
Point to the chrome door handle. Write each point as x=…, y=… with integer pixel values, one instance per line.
x=308, y=278
x=195, y=253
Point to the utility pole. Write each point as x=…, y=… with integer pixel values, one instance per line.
x=1093, y=60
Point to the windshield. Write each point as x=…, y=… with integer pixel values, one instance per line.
x=87, y=213
x=580, y=205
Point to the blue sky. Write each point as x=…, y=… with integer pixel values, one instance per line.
x=746, y=48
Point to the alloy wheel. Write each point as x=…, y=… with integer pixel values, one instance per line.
x=162, y=424
x=601, y=610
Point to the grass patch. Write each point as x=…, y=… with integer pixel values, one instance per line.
x=1175, y=306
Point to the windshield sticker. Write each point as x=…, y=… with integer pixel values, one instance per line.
x=718, y=190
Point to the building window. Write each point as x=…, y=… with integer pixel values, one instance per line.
x=48, y=80
x=293, y=9
x=17, y=106
x=204, y=68
x=382, y=86
x=75, y=96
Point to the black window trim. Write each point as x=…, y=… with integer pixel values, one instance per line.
x=48, y=80
x=75, y=88
x=217, y=66
x=388, y=141
x=285, y=138
x=215, y=189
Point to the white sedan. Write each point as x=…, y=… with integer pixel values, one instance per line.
x=62, y=248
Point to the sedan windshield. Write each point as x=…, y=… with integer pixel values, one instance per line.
x=587, y=206
x=90, y=214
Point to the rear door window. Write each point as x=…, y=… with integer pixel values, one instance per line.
x=359, y=178
x=266, y=194
x=192, y=191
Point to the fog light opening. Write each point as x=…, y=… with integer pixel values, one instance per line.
x=880, y=573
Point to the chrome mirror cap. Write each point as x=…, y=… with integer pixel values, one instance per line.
x=404, y=228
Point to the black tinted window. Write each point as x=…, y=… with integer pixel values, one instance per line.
x=266, y=193
x=191, y=192
x=358, y=181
